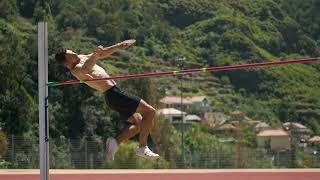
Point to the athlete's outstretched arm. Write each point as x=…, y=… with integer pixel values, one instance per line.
x=102, y=52
x=108, y=51
x=90, y=62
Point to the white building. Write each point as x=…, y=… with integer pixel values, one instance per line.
x=172, y=114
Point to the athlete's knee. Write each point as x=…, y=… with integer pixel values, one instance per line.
x=145, y=108
x=152, y=110
x=136, y=119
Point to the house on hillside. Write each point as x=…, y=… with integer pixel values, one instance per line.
x=172, y=114
x=192, y=118
x=273, y=139
x=227, y=129
x=174, y=102
x=199, y=103
x=297, y=128
x=314, y=140
x=196, y=104
x=215, y=118
x=261, y=126
x=294, y=125
x=237, y=116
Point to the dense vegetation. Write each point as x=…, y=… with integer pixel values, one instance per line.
x=205, y=32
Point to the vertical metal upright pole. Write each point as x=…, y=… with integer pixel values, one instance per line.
x=181, y=63
x=86, y=154
x=182, y=120
x=43, y=100
x=12, y=149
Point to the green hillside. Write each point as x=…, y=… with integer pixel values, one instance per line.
x=205, y=32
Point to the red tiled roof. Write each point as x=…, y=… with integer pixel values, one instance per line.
x=227, y=127
x=314, y=139
x=174, y=100
x=273, y=132
x=236, y=112
x=197, y=98
x=177, y=100
x=296, y=125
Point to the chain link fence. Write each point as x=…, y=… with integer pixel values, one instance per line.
x=64, y=153
x=83, y=154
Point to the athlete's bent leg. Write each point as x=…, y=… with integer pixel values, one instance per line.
x=128, y=132
x=148, y=113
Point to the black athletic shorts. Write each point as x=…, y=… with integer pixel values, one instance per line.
x=121, y=101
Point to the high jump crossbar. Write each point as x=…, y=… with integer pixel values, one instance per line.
x=188, y=71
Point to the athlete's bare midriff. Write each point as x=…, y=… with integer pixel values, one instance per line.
x=94, y=73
